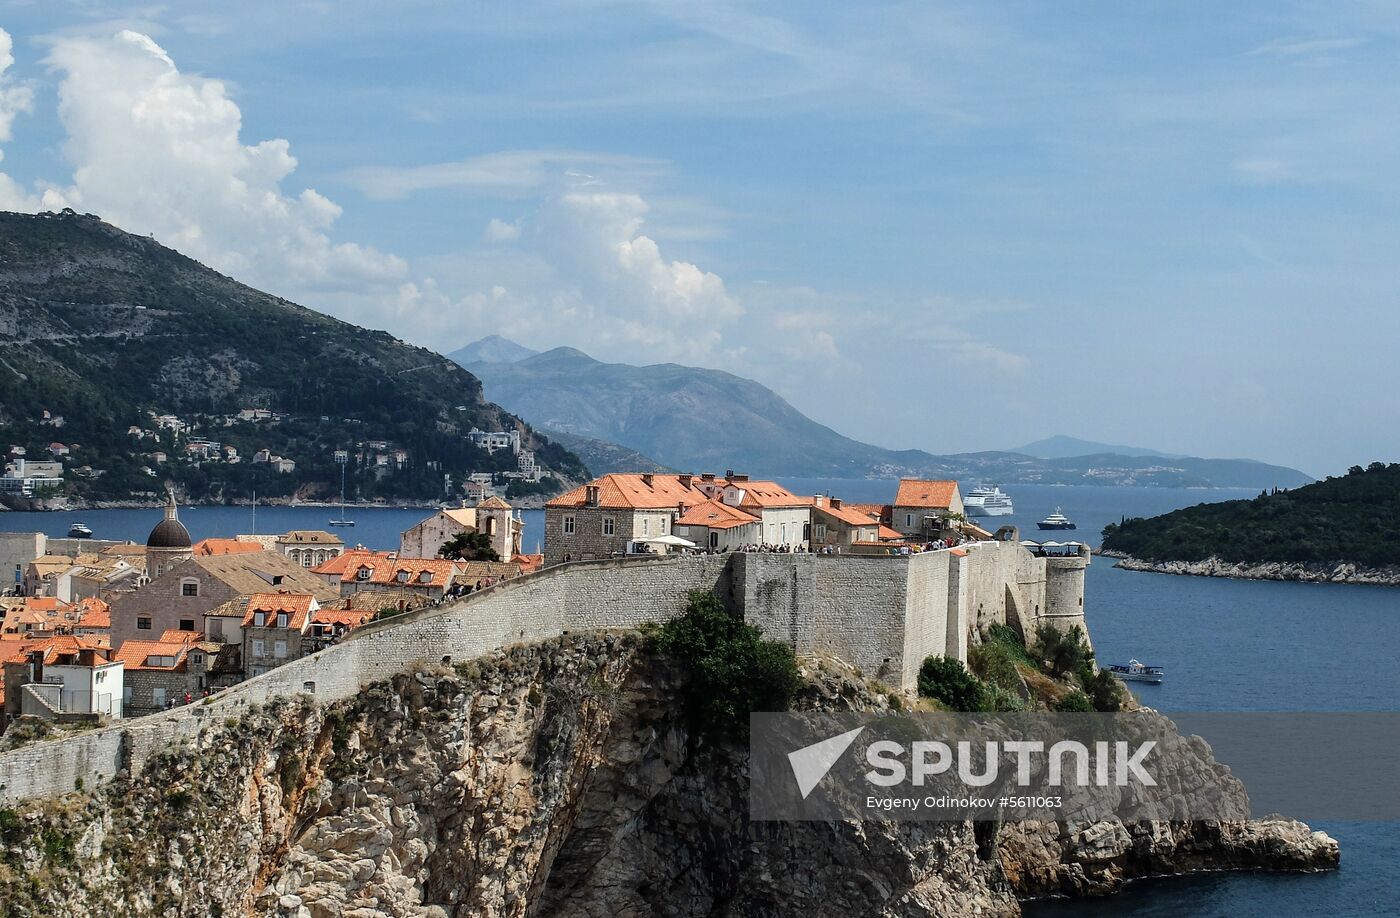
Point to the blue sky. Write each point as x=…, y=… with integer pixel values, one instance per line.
x=950, y=226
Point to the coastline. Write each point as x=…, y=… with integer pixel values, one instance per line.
x=1340, y=572
x=68, y=505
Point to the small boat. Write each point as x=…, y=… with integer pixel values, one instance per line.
x=79, y=531
x=342, y=522
x=1134, y=671
x=1057, y=520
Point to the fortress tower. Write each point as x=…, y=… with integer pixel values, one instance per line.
x=1064, y=591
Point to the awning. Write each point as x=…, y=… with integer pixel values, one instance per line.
x=671, y=540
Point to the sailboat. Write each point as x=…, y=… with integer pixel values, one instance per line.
x=342, y=521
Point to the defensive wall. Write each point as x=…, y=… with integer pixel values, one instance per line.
x=881, y=614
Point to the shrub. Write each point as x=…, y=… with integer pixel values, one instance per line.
x=1061, y=652
x=1010, y=639
x=996, y=665
x=733, y=671
x=948, y=681
x=1105, y=691
x=1075, y=702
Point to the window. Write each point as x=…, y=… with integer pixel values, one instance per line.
x=259, y=649
x=189, y=588
x=646, y=526
x=609, y=525
x=363, y=573
x=568, y=525
x=821, y=532
x=908, y=519
x=216, y=628
x=714, y=539
x=306, y=559
x=259, y=619
x=197, y=659
x=126, y=694
x=401, y=576
x=143, y=623
x=425, y=577
x=281, y=619
x=186, y=624
x=279, y=649
x=158, y=697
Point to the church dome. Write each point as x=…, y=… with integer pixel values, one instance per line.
x=169, y=532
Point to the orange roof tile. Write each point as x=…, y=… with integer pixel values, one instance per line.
x=768, y=494
x=915, y=492
x=406, y=572
x=529, y=563
x=18, y=651
x=890, y=535
x=629, y=491
x=350, y=618
x=206, y=547
x=176, y=636
x=298, y=607
x=715, y=514
x=353, y=557
x=137, y=655
x=847, y=515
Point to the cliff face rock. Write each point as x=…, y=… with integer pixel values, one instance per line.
x=548, y=780
x=1341, y=572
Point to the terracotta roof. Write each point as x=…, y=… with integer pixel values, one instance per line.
x=137, y=654
x=53, y=647
x=94, y=613
x=234, y=608
x=494, y=503
x=529, y=563
x=890, y=535
x=914, y=492
x=715, y=514
x=254, y=572
x=224, y=547
x=768, y=494
x=298, y=607
x=349, y=618
x=337, y=565
x=319, y=536
x=629, y=491
x=389, y=571
x=176, y=636
x=876, y=510
x=846, y=515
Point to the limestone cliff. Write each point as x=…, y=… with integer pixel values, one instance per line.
x=553, y=779
x=1342, y=572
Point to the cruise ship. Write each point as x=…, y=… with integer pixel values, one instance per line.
x=985, y=501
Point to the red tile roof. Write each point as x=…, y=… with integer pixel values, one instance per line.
x=298, y=607
x=350, y=558
x=404, y=572
x=914, y=492
x=176, y=636
x=715, y=514
x=529, y=563
x=847, y=515
x=206, y=547
x=137, y=654
x=763, y=494
x=59, y=644
x=634, y=492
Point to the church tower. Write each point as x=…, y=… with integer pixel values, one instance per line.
x=169, y=542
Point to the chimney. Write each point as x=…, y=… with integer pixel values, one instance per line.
x=590, y=494
x=728, y=473
x=736, y=477
x=648, y=479
x=819, y=500
x=707, y=476
x=836, y=503
x=685, y=480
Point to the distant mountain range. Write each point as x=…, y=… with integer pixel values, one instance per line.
x=1062, y=447
x=709, y=420
x=101, y=331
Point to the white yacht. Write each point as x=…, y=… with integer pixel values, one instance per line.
x=1057, y=520
x=985, y=501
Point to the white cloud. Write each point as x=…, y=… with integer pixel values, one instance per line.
x=158, y=151
x=16, y=98
x=499, y=230
x=509, y=173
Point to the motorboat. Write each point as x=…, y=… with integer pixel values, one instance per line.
x=1133, y=671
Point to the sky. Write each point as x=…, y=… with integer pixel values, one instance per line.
x=951, y=226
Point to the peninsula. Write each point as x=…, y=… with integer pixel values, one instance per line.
x=1340, y=530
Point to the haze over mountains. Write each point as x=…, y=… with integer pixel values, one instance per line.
x=709, y=420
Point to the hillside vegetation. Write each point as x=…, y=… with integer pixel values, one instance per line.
x=1354, y=518
x=103, y=328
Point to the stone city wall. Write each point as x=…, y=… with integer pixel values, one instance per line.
x=881, y=614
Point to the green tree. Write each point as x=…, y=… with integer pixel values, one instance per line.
x=1076, y=703
x=947, y=680
x=469, y=546
x=1061, y=652
x=733, y=671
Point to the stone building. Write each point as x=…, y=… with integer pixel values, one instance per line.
x=609, y=515
x=786, y=518
x=180, y=597
x=837, y=527
x=492, y=516
x=160, y=673
x=61, y=678
x=715, y=525
x=309, y=547
x=429, y=578
x=273, y=627
x=921, y=508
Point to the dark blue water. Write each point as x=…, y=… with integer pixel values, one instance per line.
x=1227, y=645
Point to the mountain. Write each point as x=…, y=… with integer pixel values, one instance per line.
x=1352, y=519
x=102, y=331
x=602, y=457
x=1063, y=447
x=491, y=349
x=708, y=420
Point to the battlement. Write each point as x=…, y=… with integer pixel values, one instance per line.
x=881, y=614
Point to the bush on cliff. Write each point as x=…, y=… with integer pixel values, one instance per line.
x=733, y=671
x=1061, y=652
x=945, y=679
x=1074, y=703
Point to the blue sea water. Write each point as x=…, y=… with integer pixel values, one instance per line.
x=1227, y=645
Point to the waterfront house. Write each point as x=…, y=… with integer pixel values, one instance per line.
x=611, y=514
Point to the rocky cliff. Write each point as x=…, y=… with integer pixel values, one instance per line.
x=554, y=779
x=1343, y=572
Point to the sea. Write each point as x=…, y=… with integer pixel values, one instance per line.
x=1227, y=645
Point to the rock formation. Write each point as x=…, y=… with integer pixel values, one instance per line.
x=552, y=779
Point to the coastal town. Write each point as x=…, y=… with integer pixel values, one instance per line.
x=93, y=631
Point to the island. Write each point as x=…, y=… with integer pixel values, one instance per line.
x=1344, y=529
